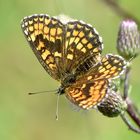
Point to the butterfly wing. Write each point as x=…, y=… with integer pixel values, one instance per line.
x=111, y=66
x=45, y=35
x=86, y=95
x=82, y=42
x=90, y=89
x=62, y=47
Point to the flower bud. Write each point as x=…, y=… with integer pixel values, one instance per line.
x=113, y=105
x=128, y=43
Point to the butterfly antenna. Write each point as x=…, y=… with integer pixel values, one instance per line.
x=57, y=107
x=32, y=93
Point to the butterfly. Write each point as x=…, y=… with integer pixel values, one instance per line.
x=70, y=52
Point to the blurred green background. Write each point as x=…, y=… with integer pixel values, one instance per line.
x=24, y=117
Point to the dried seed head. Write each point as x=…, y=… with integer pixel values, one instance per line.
x=128, y=43
x=113, y=105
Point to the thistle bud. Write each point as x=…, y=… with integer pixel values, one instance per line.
x=113, y=105
x=128, y=43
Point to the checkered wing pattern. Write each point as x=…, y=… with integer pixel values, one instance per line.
x=90, y=89
x=62, y=47
x=73, y=48
x=87, y=94
x=82, y=42
x=45, y=36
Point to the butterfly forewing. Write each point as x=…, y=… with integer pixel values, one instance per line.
x=82, y=42
x=45, y=36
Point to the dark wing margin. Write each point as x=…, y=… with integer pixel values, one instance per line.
x=45, y=36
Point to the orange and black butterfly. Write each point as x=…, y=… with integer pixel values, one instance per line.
x=70, y=51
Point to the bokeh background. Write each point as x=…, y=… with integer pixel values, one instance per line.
x=24, y=117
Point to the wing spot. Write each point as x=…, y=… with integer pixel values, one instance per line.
x=30, y=22
x=26, y=32
x=83, y=86
x=59, y=31
x=79, y=46
x=52, y=39
x=45, y=54
x=106, y=63
x=54, y=22
x=36, y=26
x=52, y=66
x=36, y=19
x=80, y=98
x=116, y=61
x=46, y=30
x=89, y=77
x=95, y=50
x=41, y=18
x=108, y=66
x=53, y=31
x=71, y=26
x=29, y=39
x=70, y=56
x=112, y=71
x=31, y=28
x=98, y=87
x=47, y=21
x=113, y=68
x=76, y=40
x=26, y=23
x=79, y=26
x=75, y=33
x=50, y=59
x=120, y=64
x=41, y=45
x=104, y=59
x=77, y=95
x=83, y=50
x=57, y=54
x=40, y=26
x=71, y=40
x=90, y=35
x=89, y=46
x=83, y=102
x=68, y=34
x=84, y=41
x=33, y=37
x=81, y=34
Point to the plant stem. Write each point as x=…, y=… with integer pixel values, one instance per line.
x=131, y=111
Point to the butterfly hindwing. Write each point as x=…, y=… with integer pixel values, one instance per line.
x=91, y=88
x=87, y=95
x=111, y=66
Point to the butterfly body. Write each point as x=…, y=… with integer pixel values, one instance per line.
x=71, y=53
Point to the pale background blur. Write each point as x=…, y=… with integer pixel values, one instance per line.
x=24, y=117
